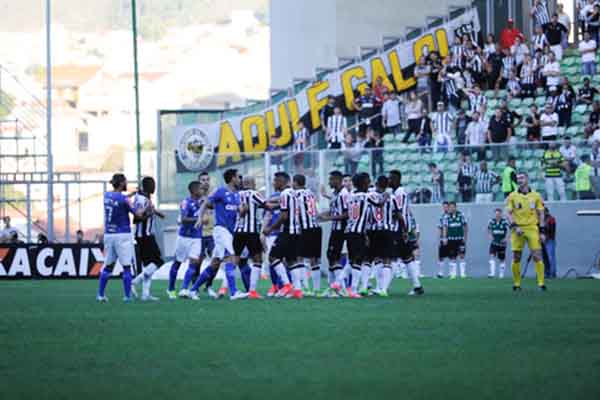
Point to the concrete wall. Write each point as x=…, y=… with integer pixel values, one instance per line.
x=310, y=33
x=578, y=238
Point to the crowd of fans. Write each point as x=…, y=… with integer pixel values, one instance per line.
x=448, y=110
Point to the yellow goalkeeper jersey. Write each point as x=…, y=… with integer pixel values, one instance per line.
x=525, y=207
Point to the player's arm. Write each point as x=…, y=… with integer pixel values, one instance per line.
x=541, y=219
x=283, y=216
x=199, y=220
x=466, y=229
x=511, y=219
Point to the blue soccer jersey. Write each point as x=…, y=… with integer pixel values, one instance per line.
x=274, y=213
x=116, y=213
x=227, y=205
x=190, y=208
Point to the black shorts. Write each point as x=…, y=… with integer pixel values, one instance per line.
x=286, y=247
x=381, y=245
x=442, y=251
x=335, y=247
x=149, y=251
x=358, y=251
x=498, y=251
x=456, y=248
x=250, y=241
x=208, y=245
x=404, y=250
x=413, y=244
x=311, y=243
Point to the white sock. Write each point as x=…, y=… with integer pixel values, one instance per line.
x=316, y=277
x=379, y=275
x=441, y=268
x=414, y=272
x=330, y=277
x=463, y=269
x=139, y=278
x=339, y=277
x=418, y=263
x=386, y=272
x=492, y=267
x=281, y=271
x=296, y=278
x=355, y=278
x=365, y=275
x=502, y=267
x=254, y=276
x=147, y=281
x=452, y=265
x=395, y=267
x=401, y=270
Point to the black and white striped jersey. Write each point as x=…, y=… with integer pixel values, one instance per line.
x=508, y=64
x=382, y=217
x=338, y=205
x=403, y=204
x=143, y=227
x=359, y=210
x=250, y=222
x=289, y=203
x=476, y=102
x=527, y=74
x=307, y=205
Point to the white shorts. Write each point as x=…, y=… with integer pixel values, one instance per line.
x=118, y=246
x=223, y=243
x=270, y=241
x=187, y=248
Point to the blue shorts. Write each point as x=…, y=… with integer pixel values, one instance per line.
x=208, y=245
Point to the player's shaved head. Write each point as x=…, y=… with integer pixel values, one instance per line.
x=382, y=182
x=299, y=180
x=280, y=180
x=148, y=185
x=119, y=181
x=194, y=187
x=249, y=182
x=395, y=178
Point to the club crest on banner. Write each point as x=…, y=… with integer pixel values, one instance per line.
x=194, y=150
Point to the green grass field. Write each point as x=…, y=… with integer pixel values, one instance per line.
x=464, y=339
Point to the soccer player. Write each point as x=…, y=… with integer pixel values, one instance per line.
x=337, y=214
x=247, y=230
x=381, y=240
x=118, y=244
x=285, y=248
x=226, y=204
x=208, y=242
x=414, y=236
x=311, y=235
x=269, y=218
x=455, y=231
x=443, y=247
x=403, y=250
x=525, y=211
x=189, y=237
x=348, y=183
x=358, y=215
x=145, y=239
x=498, y=231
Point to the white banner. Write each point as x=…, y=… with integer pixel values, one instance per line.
x=197, y=145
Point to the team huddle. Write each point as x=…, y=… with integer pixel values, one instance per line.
x=374, y=237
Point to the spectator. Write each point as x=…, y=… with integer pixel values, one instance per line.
x=366, y=106
x=448, y=77
x=434, y=83
x=42, y=239
x=461, y=123
x=499, y=133
x=337, y=127
x=352, y=154
x=466, y=177
x=587, y=48
x=490, y=46
x=508, y=65
x=550, y=244
x=7, y=234
x=539, y=40
x=476, y=99
x=391, y=113
x=442, y=126
x=554, y=32
x=553, y=164
x=510, y=117
x=379, y=90
x=539, y=13
x=593, y=23
x=484, y=183
x=527, y=75
x=275, y=153
x=513, y=87
x=300, y=146
x=552, y=98
x=538, y=66
x=586, y=93
x=565, y=21
x=437, y=183
x=475, y=66
x=422, y=72
x=569, y=153
x=583, y=179
x=375, y=143
x=79, y=237
x=532, y=122
x=565, y=102
x=509, y=34
x=326, y=112
x=476, y=135
x=519, y=50
x=595, y=160
x=425, y=133
x=549, y=124
x=414, y=114
x=593, y=122
x=509, y=177
x=551, y=71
